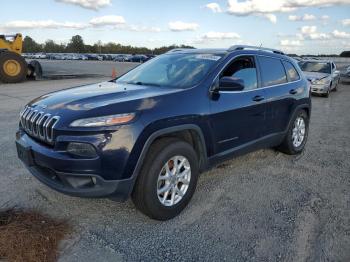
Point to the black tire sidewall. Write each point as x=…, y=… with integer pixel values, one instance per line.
x=156, y=209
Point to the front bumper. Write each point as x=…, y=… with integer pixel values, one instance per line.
x=319, y=89
x=50, y=167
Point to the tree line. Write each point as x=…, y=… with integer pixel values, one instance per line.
x=77, y=45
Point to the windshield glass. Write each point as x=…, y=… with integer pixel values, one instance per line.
x=316, y=67
x=172, y=70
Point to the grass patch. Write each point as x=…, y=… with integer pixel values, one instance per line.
x=27, y=235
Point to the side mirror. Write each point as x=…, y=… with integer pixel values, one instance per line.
x=336, y=72
x=228, y=83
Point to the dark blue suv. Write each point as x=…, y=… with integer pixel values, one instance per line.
x=149, y=133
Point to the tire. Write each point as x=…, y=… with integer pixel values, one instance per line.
x=328, y=91
x=335, y=89
x=145, y=194
x=13, y=67
x=288, y=146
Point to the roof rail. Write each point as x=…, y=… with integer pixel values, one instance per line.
x=178, y=50
x=242, y=47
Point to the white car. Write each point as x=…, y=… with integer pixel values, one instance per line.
x=347, y=72
x=323, y=75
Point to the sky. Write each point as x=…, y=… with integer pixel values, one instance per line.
x=294, y=26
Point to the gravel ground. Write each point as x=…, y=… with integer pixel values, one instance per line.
x=264, y=206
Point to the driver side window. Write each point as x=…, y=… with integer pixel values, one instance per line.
x=243, y=68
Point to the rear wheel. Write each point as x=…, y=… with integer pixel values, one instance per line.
x=167, y=179
x=13, y=67
x=296, y=137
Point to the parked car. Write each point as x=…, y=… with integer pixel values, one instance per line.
x=94, y=57
x=122, y=58
x=149, y=133
x=38, y=56
x=347, y=72
x=138, y=58
x=323, y=75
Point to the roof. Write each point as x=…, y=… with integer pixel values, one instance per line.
x=235, y=48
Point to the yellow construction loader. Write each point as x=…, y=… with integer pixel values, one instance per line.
x=13, y=67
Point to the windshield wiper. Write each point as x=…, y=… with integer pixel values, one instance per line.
x=142, y=83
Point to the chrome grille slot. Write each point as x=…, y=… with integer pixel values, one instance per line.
x=49, y=128
x=38, y=124
x=41, y=126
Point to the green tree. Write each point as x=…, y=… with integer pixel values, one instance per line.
x=51, y=47
x=345, y=54
x=30, y=46
x=76, y=45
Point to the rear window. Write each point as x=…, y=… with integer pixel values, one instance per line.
x=291, y=71
x=272, y=71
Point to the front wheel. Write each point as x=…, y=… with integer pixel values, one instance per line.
x=167, y=180
x=295, y=139
x=336, y=86
x=328, y=91
x=13, y=67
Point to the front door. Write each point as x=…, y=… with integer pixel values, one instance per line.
x=237, y=117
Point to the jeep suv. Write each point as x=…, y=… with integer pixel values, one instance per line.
x=149, y=133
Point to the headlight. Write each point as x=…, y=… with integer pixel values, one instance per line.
x=323, y=81
x=103, y=120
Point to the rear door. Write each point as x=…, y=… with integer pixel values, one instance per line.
x=281, y=83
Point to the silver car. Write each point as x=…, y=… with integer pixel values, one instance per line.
x=347, y=72
x=323, y=75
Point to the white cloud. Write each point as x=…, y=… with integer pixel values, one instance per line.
x=318, y=36
x=112, y=20
x=215, y=7
x=294, y=18
x=271, y=17
x=88, y=4
x=308, y=17
x=116, y=22
x=345, y=22
x=310, y=33
x=248, y=7
x=182, y=26
x=339, y=34
x=143, y=28
x=287, y=42
x=212, y=37
x=325, y=17
x=308, y=29
x=40, y=24
x=257, y=7
x=305, y=17
x=220, y=35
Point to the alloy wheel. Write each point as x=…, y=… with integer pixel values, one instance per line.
x=298, y=132
x=173, y=180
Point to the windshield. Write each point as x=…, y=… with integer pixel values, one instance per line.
x=316, y=67
x=172, y=70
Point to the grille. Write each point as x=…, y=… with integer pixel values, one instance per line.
x=38, y=124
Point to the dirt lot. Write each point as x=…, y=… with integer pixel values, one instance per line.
x=264, y=206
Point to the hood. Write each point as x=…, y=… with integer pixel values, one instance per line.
x=89, y=97
x=314, y=76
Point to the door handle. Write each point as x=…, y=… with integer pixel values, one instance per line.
x=293, y=91
x=258, y=98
